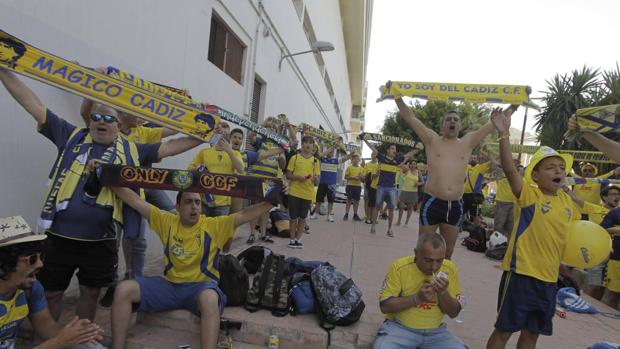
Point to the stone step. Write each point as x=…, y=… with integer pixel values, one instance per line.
x=301, y=332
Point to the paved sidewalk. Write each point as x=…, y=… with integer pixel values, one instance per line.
x=351, y=248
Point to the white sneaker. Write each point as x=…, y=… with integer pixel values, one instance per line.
x=313, y=216
x=330, y=218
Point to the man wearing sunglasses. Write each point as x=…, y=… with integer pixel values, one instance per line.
x=22, y=296
x=83, y=228
x=134, y=245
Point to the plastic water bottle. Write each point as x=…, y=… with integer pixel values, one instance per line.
x=460, y=318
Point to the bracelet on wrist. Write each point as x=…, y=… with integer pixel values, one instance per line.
x=506, y=136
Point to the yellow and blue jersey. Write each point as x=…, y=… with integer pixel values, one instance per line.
x=299, y=165
x=329, y=171
x=595, y=213
x=474, y=178
x=371, y=168
x=190, y=253
x=612, y=219
x=408, y=182
x=404, y=279
x=539, y=234
x=590, y=191
x=215, y=161
x=504, y=192
x=388, y=169
x=354, y=171
x=144, y=135
x=15, y=309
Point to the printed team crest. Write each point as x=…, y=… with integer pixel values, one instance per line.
x=568, y=212
x=546, y=207
x=182, y=179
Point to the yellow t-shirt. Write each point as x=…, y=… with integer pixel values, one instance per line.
x=475, y=177
x=403, y=279
x=591, y=192
x=504, y=192
x=539, y=234
x=216, y=161
x=595, y=213
x=408, y=182
x=373, y=167
x=298, y=165
x=186, y=247
x=354, y=171
x=144, y=135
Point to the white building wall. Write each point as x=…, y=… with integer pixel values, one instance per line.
x=166, y=42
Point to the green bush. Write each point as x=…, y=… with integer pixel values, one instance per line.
x=487, y=209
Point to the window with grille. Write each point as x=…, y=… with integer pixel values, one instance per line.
x=225, y=49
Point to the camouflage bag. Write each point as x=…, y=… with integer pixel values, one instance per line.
x=339, y=300
x=270, y=287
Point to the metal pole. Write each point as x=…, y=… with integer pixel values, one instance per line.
x=523, y=133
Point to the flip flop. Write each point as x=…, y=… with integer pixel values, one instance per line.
x=251, y=239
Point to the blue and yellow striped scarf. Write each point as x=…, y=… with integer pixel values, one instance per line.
x=71, y=165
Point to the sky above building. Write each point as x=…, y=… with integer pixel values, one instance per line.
x=482, y=41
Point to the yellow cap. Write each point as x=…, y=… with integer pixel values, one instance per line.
x=591, y=165
x=543, y=153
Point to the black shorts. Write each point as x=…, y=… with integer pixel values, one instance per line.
x=469, y=206
x=525, y=303
x=96, y=262
x=435, y=211
x=324, y=190
x=298, y=207
x=353, y=192
x=372, y=197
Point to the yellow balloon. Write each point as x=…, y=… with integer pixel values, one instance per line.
x=587, y=245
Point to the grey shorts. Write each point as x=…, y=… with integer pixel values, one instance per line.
x=409, y=197
x=504, y=217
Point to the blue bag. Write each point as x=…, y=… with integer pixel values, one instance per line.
x=297, y=265
x=301, y=295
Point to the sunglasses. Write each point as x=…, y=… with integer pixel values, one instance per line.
x=103, y=117
x=33, y=258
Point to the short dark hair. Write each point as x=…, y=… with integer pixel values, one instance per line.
x=606, y=190
x=236, y=130
x=9, y=255
x=179, y=196
x=453, y=112
x=307, y=139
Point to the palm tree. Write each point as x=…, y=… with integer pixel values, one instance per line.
x=566, y=93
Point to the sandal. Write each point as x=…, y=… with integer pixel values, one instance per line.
x=390, y=234
x=251, y=239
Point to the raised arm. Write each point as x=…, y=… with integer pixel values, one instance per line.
x=166, y=132
x=134, y=200
x=474, y=138
x=263, y=154
x=23, y=95
x=501, y=121
x=600, y=142
x=224, y=145
x=85, y=109
x=426, y=134
x=372, y=147
x=251, y=213
x=177, y=146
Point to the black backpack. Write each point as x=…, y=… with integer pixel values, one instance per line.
x=477, y=240
x=252, y=257
x=270, y=287
x=234, y=280
x=497, y=252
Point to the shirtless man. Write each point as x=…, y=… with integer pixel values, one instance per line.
x=447, y=155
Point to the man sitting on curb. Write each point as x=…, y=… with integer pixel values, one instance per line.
x=191, y=245
x=21, y=295
x=417, y=292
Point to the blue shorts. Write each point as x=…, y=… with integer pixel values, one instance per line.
x=436, y=211
x=387, y=194
x=392, y=334
x=158, y=294
x=525, y=303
